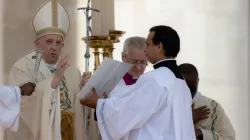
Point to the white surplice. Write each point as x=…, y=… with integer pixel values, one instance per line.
x=119, y=87
x=218, y=125
x=156, y=107
x=10, y=99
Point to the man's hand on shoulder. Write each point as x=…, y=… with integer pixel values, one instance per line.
x=27, y=89
x=200, y=114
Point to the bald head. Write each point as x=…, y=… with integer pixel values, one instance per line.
x=191, y=76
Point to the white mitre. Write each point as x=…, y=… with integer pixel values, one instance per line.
x=51, y=18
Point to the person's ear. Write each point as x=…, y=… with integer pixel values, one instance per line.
x=123, y=57
x=36, y=42
x=160, y=48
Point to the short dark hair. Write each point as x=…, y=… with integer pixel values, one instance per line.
x=169, y=39
x=189, y=70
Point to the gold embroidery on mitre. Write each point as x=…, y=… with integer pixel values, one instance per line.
x=54, y=13
x=50, y=30
x=54, y=29
x=67, y=125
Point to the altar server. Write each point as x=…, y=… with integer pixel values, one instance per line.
x=10, y=99
x=157, y=106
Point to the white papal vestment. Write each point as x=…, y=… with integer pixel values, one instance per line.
x=36, y=114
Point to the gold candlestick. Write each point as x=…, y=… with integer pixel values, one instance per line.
x=106, y=47
x=97, y=58
x=97, y=42
x=110, y=51
x=105, y=52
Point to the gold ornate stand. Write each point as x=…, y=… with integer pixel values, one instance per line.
x=98, y=42
x=106, y=43
x=67, y=125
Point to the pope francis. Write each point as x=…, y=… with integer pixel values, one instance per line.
x=52, y=112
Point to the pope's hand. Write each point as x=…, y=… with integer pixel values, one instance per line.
x=91, y=101
x=85, y=78
x=62, y=66
x=60, y=69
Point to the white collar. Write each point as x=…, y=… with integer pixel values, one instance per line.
x=196, y=96
x=135, y=77
x=52, y=65
x=163, y=60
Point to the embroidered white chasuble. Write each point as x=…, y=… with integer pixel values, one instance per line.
x=218, y=125
x=40, y=117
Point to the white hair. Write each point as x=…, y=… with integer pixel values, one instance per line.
x=135, y=41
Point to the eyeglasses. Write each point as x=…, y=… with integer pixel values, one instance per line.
x=139, y=62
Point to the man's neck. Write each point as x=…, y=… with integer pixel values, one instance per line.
x=164, y=59
x=51, y=65
x=130, y=73
x=49, y=62
x=128, y=79
x=193, y=94
x=196, y=96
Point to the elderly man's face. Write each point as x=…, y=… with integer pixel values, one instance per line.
x=138, y=60
x=51, y=46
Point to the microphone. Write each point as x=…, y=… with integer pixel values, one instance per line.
x=39, y=53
